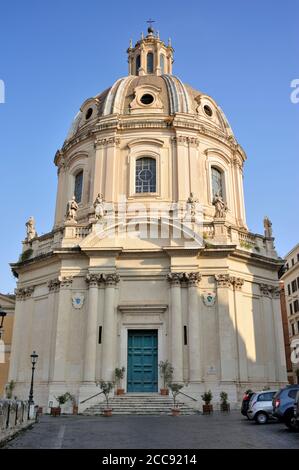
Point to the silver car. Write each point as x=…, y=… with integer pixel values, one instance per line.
x=260, y=406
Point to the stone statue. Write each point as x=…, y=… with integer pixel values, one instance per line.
x=268, y=227
x=30, y=228
x=220, y=207
x=71, y=209
x=192, y=202
x=99, y=207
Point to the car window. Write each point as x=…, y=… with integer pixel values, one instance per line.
x=266, y=396
x=292, y=394
x=253, y=396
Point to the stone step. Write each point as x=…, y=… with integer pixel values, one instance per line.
x=151, y=404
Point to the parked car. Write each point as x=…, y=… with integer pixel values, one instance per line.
x=296, y=412
x=260, y=406
x=245, y=402
x=283, y=405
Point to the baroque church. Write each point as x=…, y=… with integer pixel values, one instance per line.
x=150, y=257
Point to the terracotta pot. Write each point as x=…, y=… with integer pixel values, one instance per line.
x=175, y=411
x=225, y=407
x=120, y=391
x=107, y=412
x=164, y=391
x=207, y=409
x=55, y=411
x=75, y=409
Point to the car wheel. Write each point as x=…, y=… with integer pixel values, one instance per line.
x=261, y=418
x=290, y=422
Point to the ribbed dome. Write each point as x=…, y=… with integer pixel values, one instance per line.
x=174, y=97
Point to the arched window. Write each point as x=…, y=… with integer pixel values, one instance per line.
x=162, y=63
x=150, y=62
x=137, y=64
x=145, y=175
x=78, y=186
x=217, y=182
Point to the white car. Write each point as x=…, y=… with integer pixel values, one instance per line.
x=260, y=406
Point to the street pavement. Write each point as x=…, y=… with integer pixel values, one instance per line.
x=222, y=431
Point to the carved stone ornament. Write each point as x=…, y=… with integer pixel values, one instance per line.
x=175, y=278
x=192, y=278
x=66, y=281
x=78, y=300
x=209, y=298
x=110, y=279
x=54, y=285
x=223, y=280
x=93, y=279
x=23, y=293
x=270, y=291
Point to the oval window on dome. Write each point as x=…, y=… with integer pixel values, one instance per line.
x=208, y=110
x=88, y=113
x=147, y=99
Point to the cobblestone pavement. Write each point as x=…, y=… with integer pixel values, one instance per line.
x=155, y=432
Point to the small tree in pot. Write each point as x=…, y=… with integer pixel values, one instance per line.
x=62, y=399
x=106, y=388
x=166, y=371
x=175, y=390
x=207, y=408
x=119, y=375
x=224, y=405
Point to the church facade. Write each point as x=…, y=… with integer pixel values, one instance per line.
x=150, y=257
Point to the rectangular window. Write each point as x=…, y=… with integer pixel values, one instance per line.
x=298, y=282
x=296, y=306
x=185, y=336
x=291, y=309
x=298, y=326
x=289, y=289
x=293, y=261
x=293, y=329
x=100, y=335
x=294, y=285
x=298, y=257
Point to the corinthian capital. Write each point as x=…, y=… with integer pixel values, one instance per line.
x=110, y=279
x=223, y=280
x=65, y=281
x=237, y=282
x=193, y=278
x=24, y=293
x=54, y=285
x=93, y=279
x=175, y=278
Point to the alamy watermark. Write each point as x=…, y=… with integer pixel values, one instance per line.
x=295, y=93
x=2, y=92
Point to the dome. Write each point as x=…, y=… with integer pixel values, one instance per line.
x=166, y=94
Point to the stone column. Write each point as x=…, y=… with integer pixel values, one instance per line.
x=109, y=327
x=227, y=336
x=281, y=375
x=195, y=360
x=20, y=320
x=176, y=326
x=62, y=329
x=237, y=283
x=91, y=328
x=269, y=332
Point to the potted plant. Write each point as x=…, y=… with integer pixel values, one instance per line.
x=56, y=410
x=119, y=375
x=207, y=408
x=166, y=371
x=224, y=405
x=106, y=388
x=175, y=390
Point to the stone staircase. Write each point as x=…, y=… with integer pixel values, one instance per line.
x=140, y=404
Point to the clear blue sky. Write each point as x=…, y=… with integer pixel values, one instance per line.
x=55, y=54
